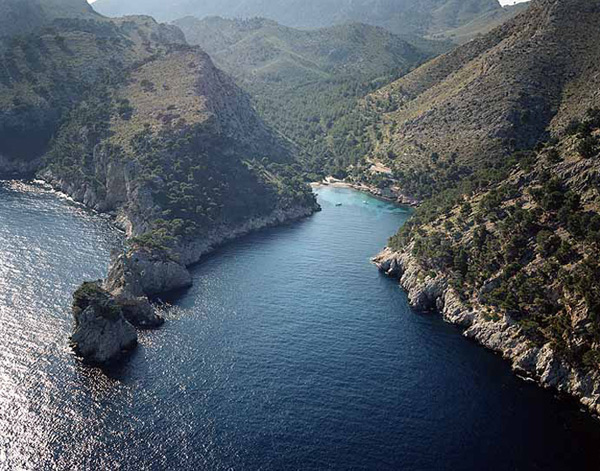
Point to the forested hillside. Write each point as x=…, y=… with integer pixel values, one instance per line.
x=306, y=83
x=127, y=118
x=513, y=257
x=47, y=72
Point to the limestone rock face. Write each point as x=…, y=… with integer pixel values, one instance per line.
x=497, y=333
x=146, y=273
x=102, y=334
x=138, y=311
x=100, y=340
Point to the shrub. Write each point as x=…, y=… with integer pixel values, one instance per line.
x=565, y=253
x=125, y=109
x=547, y=243
x=554, y=156
x=591, y=359
x=147, y=85
x=588, y=147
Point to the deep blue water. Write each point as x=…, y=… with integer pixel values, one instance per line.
x=290, y=352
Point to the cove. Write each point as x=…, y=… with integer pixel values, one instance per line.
x=291, y=351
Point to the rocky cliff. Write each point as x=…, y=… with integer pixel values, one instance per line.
x=102, y=334
x=433, y=292
x=514, y=261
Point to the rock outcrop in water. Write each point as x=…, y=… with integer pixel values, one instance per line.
x=102, y=334
x=146, y=272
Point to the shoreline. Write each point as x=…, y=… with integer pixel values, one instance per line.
x=139, y=275
x=539, y=364
x=398, y=198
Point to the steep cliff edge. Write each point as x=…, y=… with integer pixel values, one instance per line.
x=514, y=261
x=102, y=334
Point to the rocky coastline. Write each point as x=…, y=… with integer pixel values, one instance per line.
x=137, y=275
x=147, y=272
x=428, y=291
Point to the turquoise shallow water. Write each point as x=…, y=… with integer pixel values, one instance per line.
x=290, y=352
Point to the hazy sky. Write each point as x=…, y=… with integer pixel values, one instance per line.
x=503, y=2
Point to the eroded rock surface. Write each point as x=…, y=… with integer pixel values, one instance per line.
x=101, y=335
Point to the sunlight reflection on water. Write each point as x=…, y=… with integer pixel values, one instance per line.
x=290, y=352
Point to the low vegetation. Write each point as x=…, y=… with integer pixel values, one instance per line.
x=524, y=240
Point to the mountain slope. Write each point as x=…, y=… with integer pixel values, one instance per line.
x=398, y=16
x=256, y=47
x=303, y=82
x=44, y=74
x=482, y=24
x=504, y=91
x=508, y=245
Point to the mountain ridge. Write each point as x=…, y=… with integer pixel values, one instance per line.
x=303, y=81
x=398, y=16
x=501, y=92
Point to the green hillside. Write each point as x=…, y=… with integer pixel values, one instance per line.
x=476, y=105
x=306, y=83
x=127, y=118
x=23, y=16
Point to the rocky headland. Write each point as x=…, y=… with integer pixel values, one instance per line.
x=108, y=312
x=126, y=118
x=515, y=261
